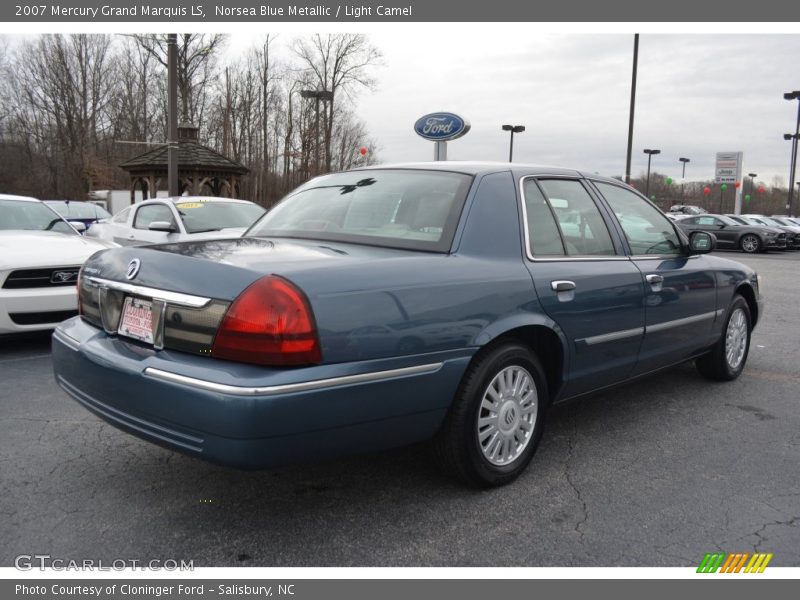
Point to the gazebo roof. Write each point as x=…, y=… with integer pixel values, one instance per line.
x=191, y=156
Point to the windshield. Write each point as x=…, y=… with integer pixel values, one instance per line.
x=753, y=221
x=199, y=216
x=396, y=208
x=727, y=220
x=768, y=221
x=78, y=210
x=31, y=216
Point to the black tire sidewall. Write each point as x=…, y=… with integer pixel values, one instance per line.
x=502, y=357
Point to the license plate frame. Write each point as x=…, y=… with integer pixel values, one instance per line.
x=138, y=326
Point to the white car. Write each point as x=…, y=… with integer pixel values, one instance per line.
x=179, y=219
x=40, y=256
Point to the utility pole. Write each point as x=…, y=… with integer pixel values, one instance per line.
x=172, y=114
x=633, y=106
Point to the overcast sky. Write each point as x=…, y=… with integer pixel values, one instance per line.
x=696, y=95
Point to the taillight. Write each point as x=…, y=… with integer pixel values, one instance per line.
x=270, y=323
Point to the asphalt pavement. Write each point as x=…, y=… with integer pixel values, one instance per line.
x=655, y=473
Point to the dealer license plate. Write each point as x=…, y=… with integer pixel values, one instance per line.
x=137, y=319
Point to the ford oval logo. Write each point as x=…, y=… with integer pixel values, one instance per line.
x=441, y=127
x=133, y=268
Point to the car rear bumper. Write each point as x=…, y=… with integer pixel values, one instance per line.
x=36, y=309
x=253, y=417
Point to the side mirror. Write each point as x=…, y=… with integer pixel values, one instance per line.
x=79, y=226
x=165, y=226
x=702, y=242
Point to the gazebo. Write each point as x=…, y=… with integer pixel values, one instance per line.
x=201, y=170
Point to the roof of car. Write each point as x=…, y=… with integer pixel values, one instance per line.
x=21, y=198
x=483, y=167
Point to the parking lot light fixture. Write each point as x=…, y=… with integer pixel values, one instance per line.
x=513, y=129
x=650, y=154
x=683, y=171
x=791, y=96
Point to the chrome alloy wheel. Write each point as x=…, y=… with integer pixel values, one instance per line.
x=507, y=415
x=749, y=243
x=736, y=338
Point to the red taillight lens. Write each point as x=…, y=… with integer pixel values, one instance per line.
x=270, y=323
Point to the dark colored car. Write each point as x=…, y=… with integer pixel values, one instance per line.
x=76, y=211
x=792, y=232
x=732, y=235
x=385, y=306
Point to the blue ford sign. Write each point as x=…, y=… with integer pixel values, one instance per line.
x=441, y=126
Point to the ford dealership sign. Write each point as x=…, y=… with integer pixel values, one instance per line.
x=441, y=126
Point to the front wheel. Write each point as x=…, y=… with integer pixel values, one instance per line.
x=497, y=417
x=750, y=243
x=727, y=358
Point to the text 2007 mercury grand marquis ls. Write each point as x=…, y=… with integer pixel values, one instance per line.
x=385, y=306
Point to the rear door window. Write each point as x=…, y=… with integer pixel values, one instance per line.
x=582, y=226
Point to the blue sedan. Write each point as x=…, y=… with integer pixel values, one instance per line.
x=385, y=306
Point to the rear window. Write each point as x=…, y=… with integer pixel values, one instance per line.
x=396, y=208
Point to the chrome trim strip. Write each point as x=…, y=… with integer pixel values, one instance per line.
x=288, y=388
x=720, y=312
x=613, y=336
x=67, y=339
x=680, y=322
x=140, y=290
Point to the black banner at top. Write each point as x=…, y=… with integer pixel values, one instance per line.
x=160, y=11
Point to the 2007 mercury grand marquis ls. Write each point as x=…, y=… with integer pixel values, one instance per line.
x=384, y=306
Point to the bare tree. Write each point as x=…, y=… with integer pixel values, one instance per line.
x=197, y=54
x=62, y=85
x=339, y=63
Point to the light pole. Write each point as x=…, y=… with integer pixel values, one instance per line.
x=683, y=177
x=513, y=129
x=632, y=108
x=752, y=177
x=650, y=154
x=317, y=95
x=795, y=95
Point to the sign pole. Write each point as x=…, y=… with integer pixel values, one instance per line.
x=440, y=151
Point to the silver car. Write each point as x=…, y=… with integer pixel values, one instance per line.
x=178, y=219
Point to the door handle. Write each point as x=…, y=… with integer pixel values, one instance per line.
x=562, y=286
x=655, y=281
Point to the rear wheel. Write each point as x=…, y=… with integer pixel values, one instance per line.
x=497, y=417
x=750, y=243
x=727, y=358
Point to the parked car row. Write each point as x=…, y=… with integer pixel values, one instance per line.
x=747, y=233
x=41, y=249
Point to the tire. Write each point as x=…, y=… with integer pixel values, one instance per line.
x=749, y=243
x=489, y=452
x=726, y=360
